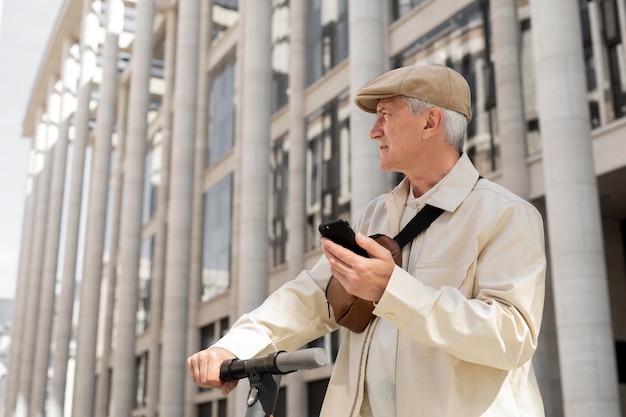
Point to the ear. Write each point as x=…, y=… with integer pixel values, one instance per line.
x=434, y=121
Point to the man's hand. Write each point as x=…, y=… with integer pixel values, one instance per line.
x=204, y=367
x=366, y=278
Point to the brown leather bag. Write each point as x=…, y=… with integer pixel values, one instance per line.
x=355, y=313
x=351, y=311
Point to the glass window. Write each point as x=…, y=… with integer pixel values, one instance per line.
x=108, y=224
x=221, y=408
x=141, y=368
x=221, y=113
x=328, y=165
x=401, y=7
x=280, y=53
x=217, y=239
x=152, y=177
x=279, y=172
x=205, y=409
x=615, y=60
x=225, y=13
x=145, y=285
x=281, y=403
x=316, y=392
x=327, y=36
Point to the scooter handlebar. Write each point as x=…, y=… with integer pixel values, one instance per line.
x=277, y=363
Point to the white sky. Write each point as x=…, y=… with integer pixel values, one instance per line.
x=25, y=28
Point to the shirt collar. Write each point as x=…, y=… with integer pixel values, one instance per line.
x=448, y=193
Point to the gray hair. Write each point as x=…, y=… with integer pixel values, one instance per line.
x=454, y=123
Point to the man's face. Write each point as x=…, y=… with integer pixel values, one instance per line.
x=398, y=133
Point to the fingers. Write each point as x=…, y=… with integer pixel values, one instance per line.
x=228, y=386
x=366, y=278
x=204, y=368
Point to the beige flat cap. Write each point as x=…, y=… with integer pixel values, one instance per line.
x=436, y=84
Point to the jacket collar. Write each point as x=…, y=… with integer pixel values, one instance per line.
x=447, y=194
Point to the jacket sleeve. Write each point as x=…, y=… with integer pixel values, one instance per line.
x=493, y=317
x=292, y=316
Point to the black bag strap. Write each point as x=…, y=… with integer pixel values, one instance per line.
x=418, y=224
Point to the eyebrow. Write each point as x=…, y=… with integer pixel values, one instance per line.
x=382, y=107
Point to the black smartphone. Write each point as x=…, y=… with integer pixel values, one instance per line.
x=340, y=232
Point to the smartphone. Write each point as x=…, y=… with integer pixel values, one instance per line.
x=340, y=232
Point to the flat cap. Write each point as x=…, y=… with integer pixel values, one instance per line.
x=436, y=84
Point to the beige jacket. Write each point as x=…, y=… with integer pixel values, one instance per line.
x=468, y=315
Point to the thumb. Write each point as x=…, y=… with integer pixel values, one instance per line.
x=373, y=248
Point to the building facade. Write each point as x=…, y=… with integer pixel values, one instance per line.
x=185, y=151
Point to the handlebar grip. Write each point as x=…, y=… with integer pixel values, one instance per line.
x=275, y=363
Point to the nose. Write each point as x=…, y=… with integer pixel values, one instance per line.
x=376, y=131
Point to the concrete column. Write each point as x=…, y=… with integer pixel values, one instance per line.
x=47, y=135
x=546, y=367
x=20, y=300
x=102, y=389
x=96, y=208
x=176, y=296
x=123, y=385
x=506, y=40
x=254, y=143
x=69, y=77
x=255, y=76
x=65, y=301
x=584, y=331
x=368, y=59
x=158, y=278
x=53, y=235
x=110, y=103
x=202, y=122
x=296, y=203
x=84, y=378
x=21, y=291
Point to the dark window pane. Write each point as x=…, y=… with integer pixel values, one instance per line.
x=327, y=36
x=317, y=391
x=217, y=239
x=221, y=114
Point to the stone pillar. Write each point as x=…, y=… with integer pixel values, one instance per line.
x=296, y=203
x=368, y=59
x=123, y=385
x=47, y=134
x=254, y=144
x=506, y=40
x=21, y=291
x=97, y=206
x=84, y=378
x=39, y=381
x=255, y=75
x=65, y=301
x=176, y=296
x=110, y=280
x=107, y=117
x=195, y=275
x=17, y=325
x=158, y=278
x=584, y=331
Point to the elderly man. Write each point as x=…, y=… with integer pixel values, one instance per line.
x=455, y=327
